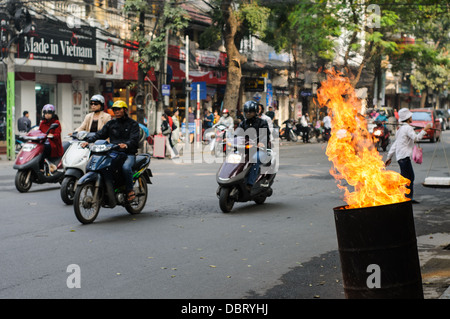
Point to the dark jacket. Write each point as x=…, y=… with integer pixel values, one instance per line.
x=124, y=130
x=261, y=130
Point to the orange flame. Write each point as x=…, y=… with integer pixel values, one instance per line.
x=352, y=152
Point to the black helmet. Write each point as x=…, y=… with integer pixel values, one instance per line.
x=250, y=106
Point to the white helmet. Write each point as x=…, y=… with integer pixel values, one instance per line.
x=98, y=98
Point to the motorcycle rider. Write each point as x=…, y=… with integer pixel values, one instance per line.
x=95, y=120
x=266, y=118
x=123, y=131
x=261, y=129
x=53, y=146
x=226, y=119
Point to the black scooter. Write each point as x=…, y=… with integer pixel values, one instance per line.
x=232, y=175
x=288, y=132
x=104, y=186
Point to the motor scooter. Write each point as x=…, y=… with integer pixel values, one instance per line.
x=74, y=162
x=103, y=184
x=233, y=173
x=219, y=138
x=381, y=136
x=288, y=131
x=28, y=159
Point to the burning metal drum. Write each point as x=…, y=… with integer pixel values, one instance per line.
x=378, y=252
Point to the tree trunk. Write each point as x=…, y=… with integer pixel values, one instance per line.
x=235, y=59
x=423, y=98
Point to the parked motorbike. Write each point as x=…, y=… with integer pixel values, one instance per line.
x=381, y=136
x=103, y=184
x=27, y=162
x=288, y=131
x=232, y=176
x=74, y=162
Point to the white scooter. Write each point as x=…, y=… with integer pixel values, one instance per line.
x=218, y=136
x=74, y=163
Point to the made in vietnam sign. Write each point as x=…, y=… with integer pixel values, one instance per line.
x=55, y=41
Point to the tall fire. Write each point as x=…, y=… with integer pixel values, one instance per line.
x=352, y=152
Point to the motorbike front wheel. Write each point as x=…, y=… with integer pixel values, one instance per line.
x=68, y=189
x=86, y=205
x=23, y=181
x=140, y=189
x=293, y=137
x=226, y=203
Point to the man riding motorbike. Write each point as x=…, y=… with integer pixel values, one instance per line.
x=261, y=134
x=124, y=132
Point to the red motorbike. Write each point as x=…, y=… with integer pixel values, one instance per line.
x=29, y=157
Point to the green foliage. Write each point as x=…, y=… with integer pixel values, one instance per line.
x=251, y=19
x=151, y=51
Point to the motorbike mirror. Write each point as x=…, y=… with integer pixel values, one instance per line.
x=52, y=126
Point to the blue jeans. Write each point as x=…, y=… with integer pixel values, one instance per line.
x=258, y=157
x=127, y=171
x=406, y=170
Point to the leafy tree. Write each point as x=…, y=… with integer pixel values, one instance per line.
x=151, y=50
x=427, y=60
x=232, y=21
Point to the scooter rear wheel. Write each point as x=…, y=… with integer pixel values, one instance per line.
x=226, y=203
x=85, y=205
x=141, y=191
x=23, y=181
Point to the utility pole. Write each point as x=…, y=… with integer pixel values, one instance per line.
x=188, y=90
x=10, y=104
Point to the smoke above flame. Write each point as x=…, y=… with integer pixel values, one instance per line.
x=351, y=150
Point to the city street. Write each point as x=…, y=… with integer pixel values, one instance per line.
x=183, y=246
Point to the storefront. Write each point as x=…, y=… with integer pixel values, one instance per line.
x=56, y=65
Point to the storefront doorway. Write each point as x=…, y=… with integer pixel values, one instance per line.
x=45, y=94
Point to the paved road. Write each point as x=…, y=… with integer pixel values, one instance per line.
x=182, y=246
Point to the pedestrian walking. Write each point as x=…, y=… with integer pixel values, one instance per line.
x=176, y=126
x=166, y=130
x=403, y=148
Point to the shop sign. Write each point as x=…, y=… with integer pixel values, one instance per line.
x=205, y=66
x=254, y=84
x=55, y=41
x=109, y=57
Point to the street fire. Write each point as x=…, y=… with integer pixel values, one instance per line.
x=352, y=152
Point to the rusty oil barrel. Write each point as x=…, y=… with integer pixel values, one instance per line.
x=378, y=252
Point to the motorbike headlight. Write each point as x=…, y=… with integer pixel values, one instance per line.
x=28, y=147
x=100, y=148
x=377, y=133
x=234, y=158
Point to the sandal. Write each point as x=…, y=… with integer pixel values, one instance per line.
x=131, y=196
